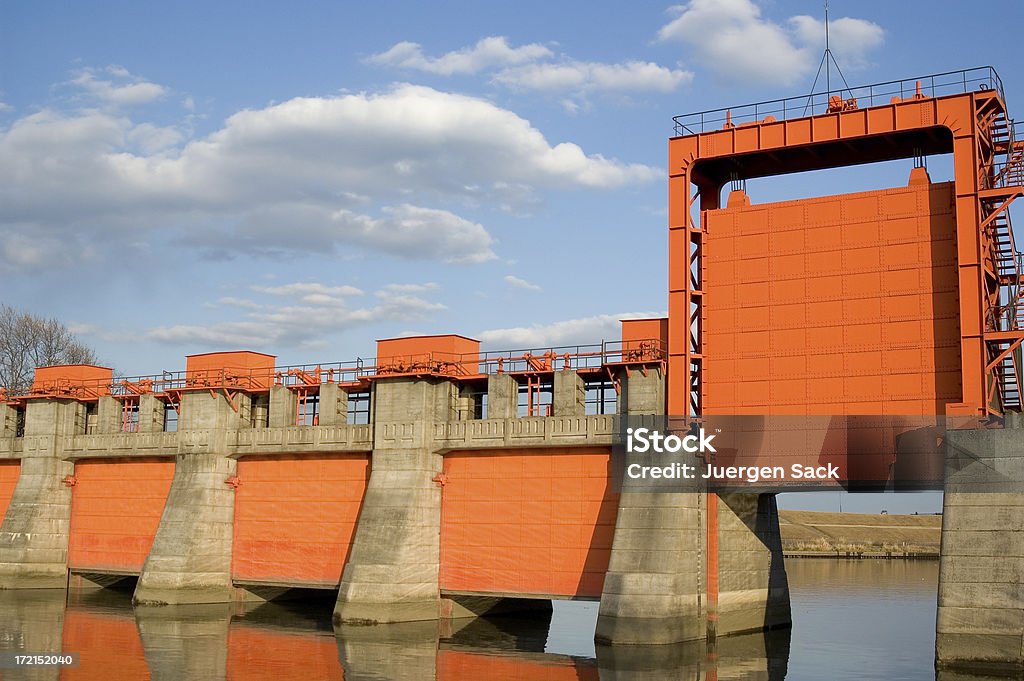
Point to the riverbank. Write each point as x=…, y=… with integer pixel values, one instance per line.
x=816, y=534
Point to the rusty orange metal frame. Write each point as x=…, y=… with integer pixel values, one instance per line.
x=971, y=124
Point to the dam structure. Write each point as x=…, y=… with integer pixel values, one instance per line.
x=439, y=480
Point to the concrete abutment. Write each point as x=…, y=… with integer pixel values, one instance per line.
x=980, y=622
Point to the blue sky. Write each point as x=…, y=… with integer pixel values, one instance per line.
x=305, y=178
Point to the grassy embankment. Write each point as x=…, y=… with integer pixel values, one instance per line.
x=859, y=535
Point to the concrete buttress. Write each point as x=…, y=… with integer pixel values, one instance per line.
x=34, y=534
x=392, y=571
x=190, y=561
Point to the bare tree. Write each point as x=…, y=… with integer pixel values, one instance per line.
x=28, y=341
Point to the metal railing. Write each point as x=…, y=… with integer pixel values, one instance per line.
x=466, y=365
x=933, y=85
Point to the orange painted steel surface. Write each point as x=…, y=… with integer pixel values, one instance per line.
x=637, y=333
x=527, y=521
x=960, y=123
x=256, y=654
x=836, y=305
x=253, y=370
x=9, y=472
x=453, y=665
x=53, y=379
x=417, y=353
x=295, y=517
x=109, y=647
x=115, y=510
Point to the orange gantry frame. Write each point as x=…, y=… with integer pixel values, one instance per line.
x=116, y=506
x=295, y=518
x=715, y=148
x=527, y=522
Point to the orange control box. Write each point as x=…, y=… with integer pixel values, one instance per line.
x=418, y=353
x=247, y=369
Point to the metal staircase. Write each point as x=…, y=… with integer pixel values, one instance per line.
x=1006, y=174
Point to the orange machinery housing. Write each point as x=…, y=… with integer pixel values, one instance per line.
x=76, y=380
x=444, y=353
x=894, y=301
x=242, y=368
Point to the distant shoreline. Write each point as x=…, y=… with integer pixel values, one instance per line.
x=817, y=534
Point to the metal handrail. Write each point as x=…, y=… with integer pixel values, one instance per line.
x=932, y=85
x=552, y=358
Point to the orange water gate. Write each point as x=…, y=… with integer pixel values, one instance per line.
x=9, y=472
x=527, y=521
x=835, y=305
x=295, y=518
x=115, y=510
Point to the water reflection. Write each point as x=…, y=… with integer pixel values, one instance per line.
x=294, y=639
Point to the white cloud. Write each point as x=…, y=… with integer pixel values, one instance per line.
x=4, y=106
x=850, y=39
x=581, y=76
x=516, y=282
x=406, y=231
x=528, y=68
x=488, y=52
x=284, y=178
x=132, y=89
x=309, y=312
x=582, y=331
x=306, y=290
x=413, y=288
x=151, y=139
x=734, y=40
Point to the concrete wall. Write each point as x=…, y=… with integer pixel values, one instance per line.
x=980, y=619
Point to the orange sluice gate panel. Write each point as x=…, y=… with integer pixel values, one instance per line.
x=527, y=521
x=836, y=305
x=116, y=506
x=295, y=517
x=9, y=472
x=256, y=369
x=257, y=654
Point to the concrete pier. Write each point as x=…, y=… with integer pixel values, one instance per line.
x=190, y=560
x=980, y=623
x=35, y=530
x=392, y=572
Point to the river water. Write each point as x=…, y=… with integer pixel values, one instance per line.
x=852, y=619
